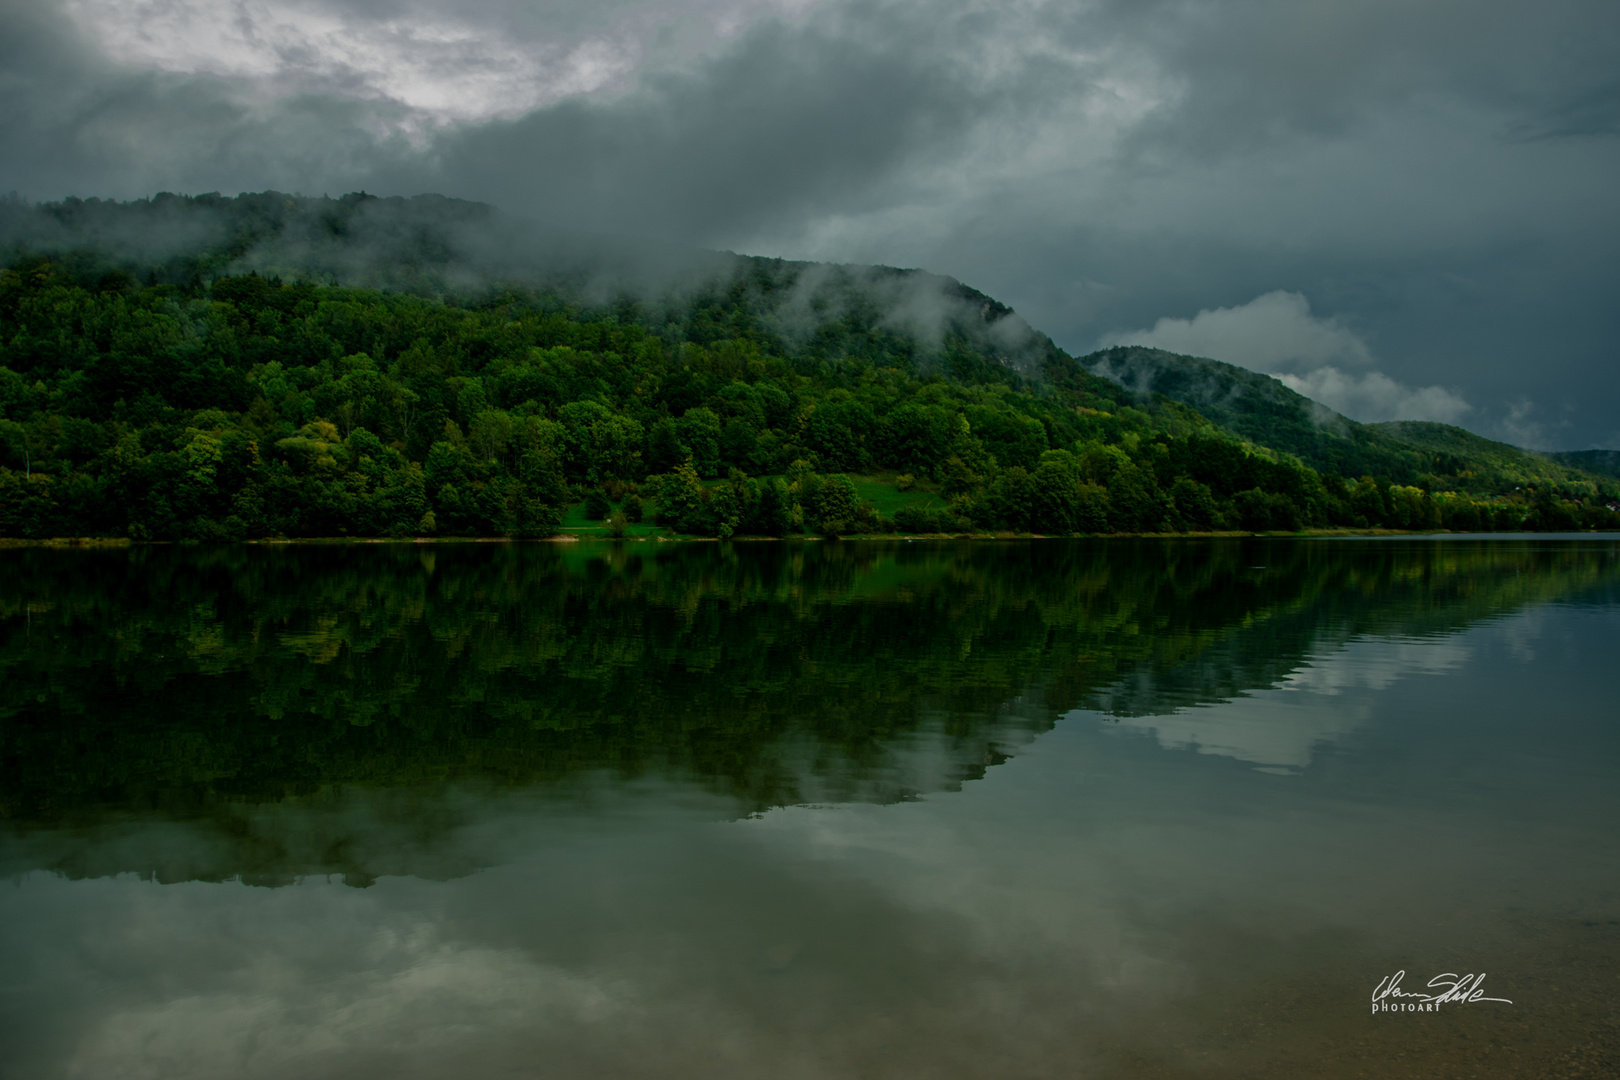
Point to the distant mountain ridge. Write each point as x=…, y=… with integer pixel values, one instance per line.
x=1602, y=462
x=1264, y=411
x=1508, y=460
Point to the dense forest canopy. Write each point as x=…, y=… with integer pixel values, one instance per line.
x=207, y=369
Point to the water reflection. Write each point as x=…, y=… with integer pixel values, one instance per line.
x=704, y=814
x=235, y=687
x=1272, y=732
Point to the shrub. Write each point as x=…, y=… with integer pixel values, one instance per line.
x=597, y=505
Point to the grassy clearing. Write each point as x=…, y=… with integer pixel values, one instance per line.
x=881, y=491
x=575, y=523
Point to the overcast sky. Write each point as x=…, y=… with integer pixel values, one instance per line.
x=1407, y=208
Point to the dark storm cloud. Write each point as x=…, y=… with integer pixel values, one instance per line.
x=1591, y=112
x=791, y=122
x=72, y=123
x=788, y=120
x=1374, y=157
x=1434, y=178
x=1255, y=71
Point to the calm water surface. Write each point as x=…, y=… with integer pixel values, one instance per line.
x=1060, y=809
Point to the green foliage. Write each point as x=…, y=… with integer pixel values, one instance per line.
x=1195, y=505
x=1455, y=458
x=597, y=505
x=1261, y=410
x=1598, y=462
x=778, y=512
x=205, y=407
x=838, y=508
x=683, y=503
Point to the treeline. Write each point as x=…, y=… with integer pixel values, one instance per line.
x=1161, y=483
x=248, y=407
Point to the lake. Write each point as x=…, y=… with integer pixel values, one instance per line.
x=1156, y=808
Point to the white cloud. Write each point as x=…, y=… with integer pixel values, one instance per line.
x=1273, y=331
x=1277, y=335
x=1278, y=731
x=1375, y=396
x=1520, y=426
x=444, y=63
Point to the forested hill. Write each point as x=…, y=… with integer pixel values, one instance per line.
x=1263, y=410
x=212, y=368
x=1487, y=459
x=429, y=245
x=471, y=254
x=1601, y=462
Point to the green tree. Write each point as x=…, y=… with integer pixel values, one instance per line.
x=776, y=508
x=665, y=451
x=837, y=506
x=597, y=506
x=699, y=431
x=681, y=502
x=1195, y=505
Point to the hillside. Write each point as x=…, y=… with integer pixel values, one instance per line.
x=218, y=369
x=428, y=245
x=1259, y=409
x=1598, y=462
x=470, y=254
x=1264, y=411
x=1496, y=464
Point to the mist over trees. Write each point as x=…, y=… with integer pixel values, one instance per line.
x=220, y=369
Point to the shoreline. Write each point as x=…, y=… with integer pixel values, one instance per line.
x=88, y=542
